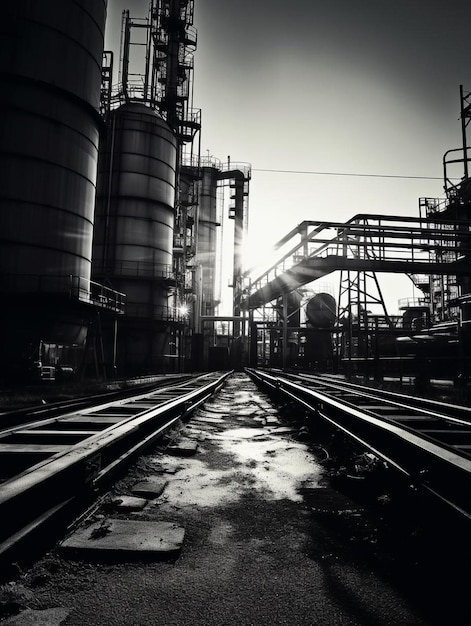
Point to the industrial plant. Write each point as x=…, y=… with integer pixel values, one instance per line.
x=186, y=439
x=111, y=219
x=112, y=226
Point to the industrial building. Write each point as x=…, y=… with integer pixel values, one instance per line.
x=111, y=226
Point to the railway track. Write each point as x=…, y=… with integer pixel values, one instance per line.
x=50, y=463
x=128, y=388
x=426, y=441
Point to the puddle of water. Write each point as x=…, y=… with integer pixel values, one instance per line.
x=263, y=460
x=195, y=484
x=263, y=463
x=278, y=470
x=248, y=433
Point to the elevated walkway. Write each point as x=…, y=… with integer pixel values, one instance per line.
x=373, y=243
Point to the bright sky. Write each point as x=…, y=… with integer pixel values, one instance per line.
x=366, y=87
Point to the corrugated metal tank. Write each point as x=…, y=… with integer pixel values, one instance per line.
x=50, y=72
x=50, y=66
x=133, y=241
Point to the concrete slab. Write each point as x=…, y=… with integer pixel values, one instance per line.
x=129, y=503
x=45, y=617
x=185, y=447
x=127, y=538
x=150, y=488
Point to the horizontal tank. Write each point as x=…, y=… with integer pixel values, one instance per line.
x=321, y=310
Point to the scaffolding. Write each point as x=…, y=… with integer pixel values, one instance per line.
x=156, y=63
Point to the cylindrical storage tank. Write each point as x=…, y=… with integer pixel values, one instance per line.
x=207, y=237
x=133, y=243
x=133, y=240
x=50, y=71
x=50, y=67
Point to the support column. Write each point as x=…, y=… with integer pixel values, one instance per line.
x=284, y=346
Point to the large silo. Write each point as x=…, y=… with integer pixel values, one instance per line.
x=50, y=68
x=133, y=243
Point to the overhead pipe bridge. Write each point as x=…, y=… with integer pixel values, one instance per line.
x=373, y=243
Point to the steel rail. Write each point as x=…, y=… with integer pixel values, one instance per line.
x=40, y=492
x=453, y=412
x=132, y=386
x=406, y=437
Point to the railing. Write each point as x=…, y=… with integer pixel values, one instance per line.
x=191, y=36
x=420, y=280
x=374, y=237
x=210, y=161
x=190, y=160
x=213, y=162
x=155, y=312
x=230, y=166
x=428, y=207
x=104, y=297
x=137, y=269
x=407, y=303
x=462, y=162
x=184, y=245
x=73, y=287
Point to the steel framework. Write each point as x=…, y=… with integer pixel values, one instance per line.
x=431, y=246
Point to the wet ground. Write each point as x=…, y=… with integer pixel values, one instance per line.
x=270, y=539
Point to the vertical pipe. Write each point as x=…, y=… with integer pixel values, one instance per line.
x=238, y=242
x=284, y=347
x=125, y=52
x=463, y=133
x=115, y=345
x=149, y=43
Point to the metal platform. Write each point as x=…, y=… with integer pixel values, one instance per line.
x=373, y=243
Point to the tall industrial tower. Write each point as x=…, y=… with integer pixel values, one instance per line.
x=157, y=230
x=142, y=229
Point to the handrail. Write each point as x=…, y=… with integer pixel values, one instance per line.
x=71, y=286
x=464, y=159
x=374, y=236
x=138, y=269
